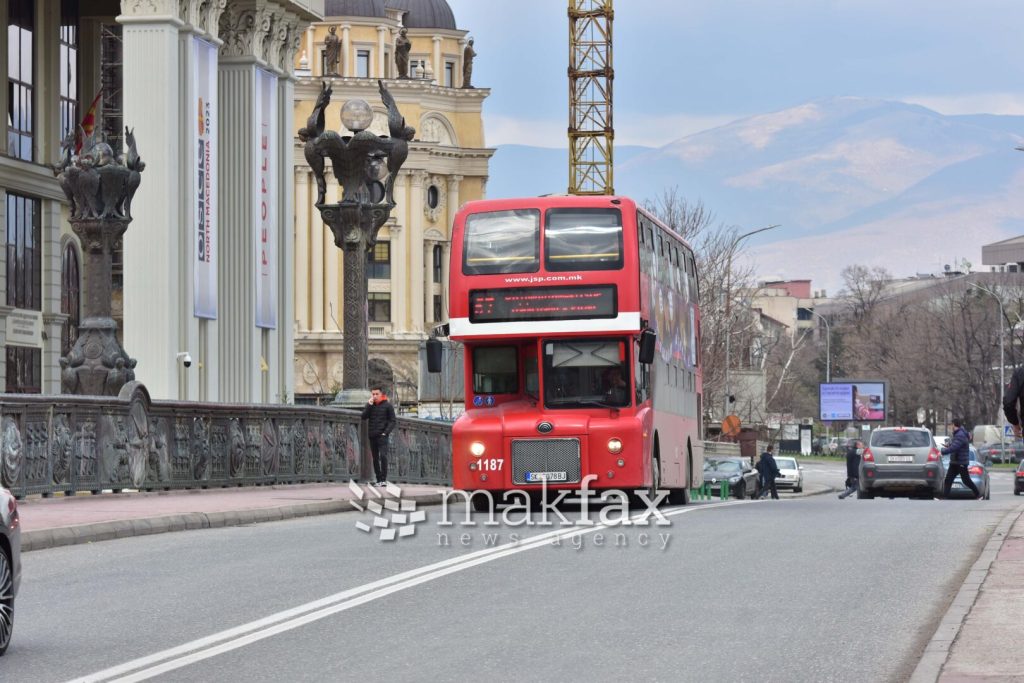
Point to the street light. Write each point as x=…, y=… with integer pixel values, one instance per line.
x=828, y=362
x=1002, y=364
x=728, y=300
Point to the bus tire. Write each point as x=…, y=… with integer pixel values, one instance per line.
x=482, y=503
x=682, y=496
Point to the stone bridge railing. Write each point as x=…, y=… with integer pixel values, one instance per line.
x=66, y=443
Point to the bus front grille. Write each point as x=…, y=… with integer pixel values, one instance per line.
x=545, y=456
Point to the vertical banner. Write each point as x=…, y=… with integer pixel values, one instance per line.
x=266, y=201
x=204, y=164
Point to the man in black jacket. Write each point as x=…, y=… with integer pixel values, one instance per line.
x=380, y=422
x=1012, y=396
x=852, y=467
x=769, y=469
x=959, y=452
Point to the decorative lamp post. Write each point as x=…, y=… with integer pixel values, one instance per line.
x=100, y=189
x=366, y=166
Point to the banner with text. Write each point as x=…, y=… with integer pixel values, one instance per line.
x=266, y=202
x=204, y=164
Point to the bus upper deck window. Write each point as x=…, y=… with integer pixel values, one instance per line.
x=502, y=242
x=583, y=239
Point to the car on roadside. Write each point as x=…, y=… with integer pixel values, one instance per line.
x=741, y=478
x=1018, y=479
x=10, y=564
x=792, y=475
x=978, y=471
x=900, y=461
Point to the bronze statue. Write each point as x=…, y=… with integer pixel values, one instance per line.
x=332, y=51
x=467, y=65
x=402, y=47
x=401, y=136
x=315, y=137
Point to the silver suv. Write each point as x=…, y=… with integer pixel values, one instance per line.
x=900, y=460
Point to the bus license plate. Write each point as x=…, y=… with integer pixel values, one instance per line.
x=901, y=458
x=546, y=476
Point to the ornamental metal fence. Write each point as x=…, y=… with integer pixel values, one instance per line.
x=66, y=444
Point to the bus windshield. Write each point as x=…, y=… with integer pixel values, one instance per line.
x=583, y=239
x=586, y=373
x=502, y=242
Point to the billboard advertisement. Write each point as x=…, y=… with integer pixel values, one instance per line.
x=852, y=400
x=266, y=202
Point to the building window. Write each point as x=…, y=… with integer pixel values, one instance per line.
x=68, y=67
x=363, y=63
x=433, y=196
x=20, y=26
x=24, y=253
x=70, y=297
x=378, y=262
x=437, y=264
x=438, y=313
x=24, y=370
x=380, y=307
x=804, y=314
x=449, y=74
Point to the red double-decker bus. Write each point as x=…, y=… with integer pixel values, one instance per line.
x=558, y=300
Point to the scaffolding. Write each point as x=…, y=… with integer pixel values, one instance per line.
x=590, y=97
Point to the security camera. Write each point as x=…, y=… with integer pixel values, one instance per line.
x=186, y=358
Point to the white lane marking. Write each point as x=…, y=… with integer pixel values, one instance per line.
x=234, y=638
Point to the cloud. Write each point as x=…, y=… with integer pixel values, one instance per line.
x=1004, y=103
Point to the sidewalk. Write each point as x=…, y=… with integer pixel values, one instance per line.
x=53, y=522
x=979, y=637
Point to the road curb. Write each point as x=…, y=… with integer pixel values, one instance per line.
x=42, y=539
x=936, y=652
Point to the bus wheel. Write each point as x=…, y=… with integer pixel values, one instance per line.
x=679, y=496
x=482, y=503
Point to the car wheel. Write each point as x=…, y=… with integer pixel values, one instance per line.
x=864, y=495
x=741, y=490
x=6, y=601
x=799, y=488
x=988, y=492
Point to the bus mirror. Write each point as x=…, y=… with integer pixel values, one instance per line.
x=647, y=339
x=434, y=349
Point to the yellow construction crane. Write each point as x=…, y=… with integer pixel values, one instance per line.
x=590, y=97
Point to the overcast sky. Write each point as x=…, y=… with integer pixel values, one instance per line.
x=687, y=65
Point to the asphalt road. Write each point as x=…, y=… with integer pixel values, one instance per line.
x=807, y=589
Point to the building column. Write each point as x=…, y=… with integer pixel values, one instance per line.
x=382, y=67
x=154, y=264
x=399, y=324
x=463, y=42
x=416, y=199
x=303, y=201
x=428, y=284
x=333, y=258
x=438, y=64
x=313, y=58
x=453, y=199
x=346, y=47
x=53, y=319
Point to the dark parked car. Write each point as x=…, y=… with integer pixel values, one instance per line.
x=1010, y=451
x=979, y=475
x=741, y=477
x=10, y=564
x=1018, y=480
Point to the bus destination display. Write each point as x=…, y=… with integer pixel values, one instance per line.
x=542, y=303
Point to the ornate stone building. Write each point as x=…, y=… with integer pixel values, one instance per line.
x=205, y=269
x=447, y=166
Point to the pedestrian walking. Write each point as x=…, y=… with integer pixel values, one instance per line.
x=959, y=453
x=852, y=467
x=380, y=422
x=1012, y=397
x=769, y=470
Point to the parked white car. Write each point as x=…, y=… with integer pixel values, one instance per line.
x=792, y=476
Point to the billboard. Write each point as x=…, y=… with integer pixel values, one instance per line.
x=852, y=400
x=204, y=181
x=266, y=201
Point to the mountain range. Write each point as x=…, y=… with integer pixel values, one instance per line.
x=849, y=180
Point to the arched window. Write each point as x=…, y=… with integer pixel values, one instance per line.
x=70, y=297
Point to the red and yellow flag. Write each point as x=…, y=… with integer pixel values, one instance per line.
x=89, y=120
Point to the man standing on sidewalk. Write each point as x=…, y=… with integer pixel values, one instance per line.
x=380, y=422
x=768, y=469
x=959, y=452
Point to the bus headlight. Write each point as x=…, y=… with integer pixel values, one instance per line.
x=614, y=446
x=477, y=448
